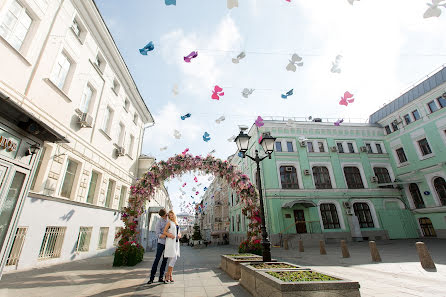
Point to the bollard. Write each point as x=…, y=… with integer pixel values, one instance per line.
x=425, y=258
x=322, y=247
x=301, y=246
x=285, y=244
x=344, y=248
x=374, y=252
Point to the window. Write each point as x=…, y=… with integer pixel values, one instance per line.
x=116, y=86
x=310, y=147
x=36, y=173
x=52, y=243
x=394, y=126
x=353, y=178
x=121, y=135
x=416, y=115
x=92, y=188
x=442, y=101
x=110, y=192
x=388, y=131
x=76, y=28
x=103, y=234
x=288, y=177
x=60, y=71
x=86, y=99
x=99, y=62
x=126, y=104
x=407, y=119
x=83, y=239
x=329, y=216
x=401, y=155
x=340, y=147
x=432, y=106
x=321, y=146
x=426, y=227
x=68, y=181
x=321, y=177
x=108, y=118
x=17, y=245
x=383, y=176
x=351, y=148
x=122, y=197
x=131, y=144
x=424, y=147
x=362, y=211
x=238, y=223
x=289, y=146
x=379, y=148
x=416, y=196
x=278, y=146
x=369, y=148
x=135, y=119
x=15, y=25
x=440, y=188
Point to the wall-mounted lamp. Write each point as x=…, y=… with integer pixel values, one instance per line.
x=33, y=149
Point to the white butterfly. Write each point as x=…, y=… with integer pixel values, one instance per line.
x=163, y=148
x=177, y=134
x=220, y=119
x=351, y=1
x=211, y=152
x=175, y=90
x=246, y=92
x=239, y=57
x=434, y=9
x=295, y=60
x=335, y=68
x=232, y=138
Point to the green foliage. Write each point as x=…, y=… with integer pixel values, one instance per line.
x=197, y=233
x=130, y=254
x=254, y=247
x=301, y=276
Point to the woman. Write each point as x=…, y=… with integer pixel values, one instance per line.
x=172, y=249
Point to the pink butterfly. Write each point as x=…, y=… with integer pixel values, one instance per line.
x=338, y=122
x=191, y=56
x=195, y=179
x=259, y=122
x=217, y=92
x=346, y=99
x=185, y=151
x=184, y=185
x=196, y=193
x=260, y=139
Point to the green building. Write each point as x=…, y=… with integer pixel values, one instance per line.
x=380, y=180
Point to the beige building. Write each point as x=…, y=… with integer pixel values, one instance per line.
x=61, y=67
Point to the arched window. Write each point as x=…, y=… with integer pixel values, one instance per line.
x=362, y=211
x=426, y=227
x=353, y=178
x=288, y=177
x=383, y=176
x=440, y=187
x=416, y=196
x=321, y=177
x=329, y=216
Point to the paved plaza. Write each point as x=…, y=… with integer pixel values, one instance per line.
x=197, y=273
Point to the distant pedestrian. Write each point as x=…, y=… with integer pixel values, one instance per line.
x=160, y=247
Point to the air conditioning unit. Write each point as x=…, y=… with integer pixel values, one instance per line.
x=302, y=141
x=120, y=151
x=363, y=149
x=85, y=120
x=307, y=172
x=289, y=168
x=374, y=179
x=349, y=211
x=444, y=95
x=347, y=204
x=334, y=149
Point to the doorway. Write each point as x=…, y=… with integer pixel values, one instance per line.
x=299, y=219
x=427, y=228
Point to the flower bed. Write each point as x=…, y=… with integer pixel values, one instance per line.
x=301, y=276
x=241, y=255
x=277, y=265
x=231, y=264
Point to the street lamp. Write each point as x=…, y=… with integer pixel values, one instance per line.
x=267, y=143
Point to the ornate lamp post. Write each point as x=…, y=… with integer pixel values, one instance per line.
x=267, y=143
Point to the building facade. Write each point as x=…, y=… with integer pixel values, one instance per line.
x=69, y=74
x=381, y=180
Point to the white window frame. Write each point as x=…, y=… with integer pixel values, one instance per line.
x=127, y=104
x=24, y=10
x=338, y=210
x=430, y=182
x=131, y=145
x=417, y=136
x=121, y=135
x=361, y=171
x=383, y=165
x=372, y=211
x=73, y=190
x=116, y=86
x=135, y=118
x=56, y=79
x=85, y=105
x=315, y=143
x=107, y=120
x=345, y=146
x=330, y=171
x=397, y=159
x=298, y=172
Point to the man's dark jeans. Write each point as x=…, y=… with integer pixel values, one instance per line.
x=159, y=252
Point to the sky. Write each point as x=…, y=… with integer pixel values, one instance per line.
x=386, y=47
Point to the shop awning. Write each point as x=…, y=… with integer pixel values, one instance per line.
x=305, y=203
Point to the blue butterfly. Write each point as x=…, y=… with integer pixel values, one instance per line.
x=171, y=2
x=289, y=93
x=240, y=154
x=205, y=188
x=206, y=136
x=187, y=115
x=148, y=48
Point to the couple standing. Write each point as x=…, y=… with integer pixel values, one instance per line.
x=168, y=234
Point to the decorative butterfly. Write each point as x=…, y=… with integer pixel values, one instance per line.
x=220, y=119
x=187, y=115
x=240, y=154
x=295, y=60
x=194, y=189
x=246, y=92
x=232, y=3
x=171, y=2
x=346, y=99
x=196, y=193
x=338, y=122
x=217, y=92
x=195, y=179
x=210, y=178
x=148, y=48
x=206, y=137
x=240, y=56
x=199, y=185
x=335, y=68
x=191, y=56
x=163, y=148
x=184, y=185
x=177, y=134
x=175, y=90
x=259, y=122
x=434, y=9
x=185, y=151
x=260, y=138
x=351, y=1
x=232, y=138
x=289, y=93
x=211, y=152
x=205, y=188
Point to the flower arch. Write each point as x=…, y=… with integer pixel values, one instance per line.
x=144, y=189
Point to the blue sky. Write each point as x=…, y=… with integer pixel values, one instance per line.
x=386, y=47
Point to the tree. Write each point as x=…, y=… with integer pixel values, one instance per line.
x=197, y=234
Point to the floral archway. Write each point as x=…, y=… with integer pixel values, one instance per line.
x=144, y=189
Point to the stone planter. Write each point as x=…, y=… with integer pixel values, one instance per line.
x=230, y=263
x=260, y=283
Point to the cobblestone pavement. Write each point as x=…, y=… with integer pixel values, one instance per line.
x=197, y=274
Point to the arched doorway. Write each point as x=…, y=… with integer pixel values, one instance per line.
x=440, y=188
x=426, y=227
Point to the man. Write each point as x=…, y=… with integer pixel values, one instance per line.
x=160, y=247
